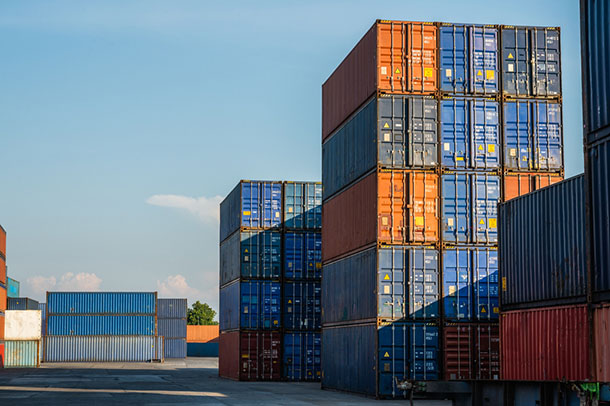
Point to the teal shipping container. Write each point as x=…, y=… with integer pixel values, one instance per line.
x=12, y=287
x=22, y=354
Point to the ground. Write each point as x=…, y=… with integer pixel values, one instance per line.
x=193, y=381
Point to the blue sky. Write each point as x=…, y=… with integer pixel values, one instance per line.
x=123, y=123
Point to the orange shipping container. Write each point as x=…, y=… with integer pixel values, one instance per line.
x=390, y=207
x=393, y=57
x=516, y=185
x=2, y=271
x=202, y=334
x=1, y=327
x=2, y=298
x=2, y=242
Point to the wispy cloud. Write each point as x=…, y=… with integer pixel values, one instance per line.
x=176, y=286
x=206, y=209
x=82, y=281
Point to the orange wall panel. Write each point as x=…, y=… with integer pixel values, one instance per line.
x=202, y=334
x=516, y=185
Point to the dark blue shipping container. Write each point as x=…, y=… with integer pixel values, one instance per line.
x=80, y=325
x=174, y=347
x=542, y=247
x=202, y=349
x=531, y=65
x=403, y=130
x=302, y=309
x=469, y=59
x=533, y=135
x=171, y=328
x=252, y=255
x=21, y=303
x=102, y=303
x=470, y=284
x=251, y=305
x=303, y=255
x=171, y=308
x=469, y=203
x=301, y=356
x=470, y=134
x=251, y=204
x=392, y=282
x=303, y=205
x=43, y=314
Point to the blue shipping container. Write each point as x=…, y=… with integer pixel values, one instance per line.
x=21, y=354
x=302, y=308
x=533, y=135
x=469, y=59
x=301, y=356
x=102, y=303
x=470, y=284
x=85, y=325
x=12, y=287
x=43, y=314
x=171, y=328
x=174, y=347
x=251, y=254
x=21, y=303
x=251, y=204
x=303, y=255
x=470, y=133
x=531, y=61
x=251, y=305
x=103, y=348
x=598, y=167
x=403, y=129
x=469, y=203
x=303, y=205
x=202, y=349
x=171, y=308
x=392, y=282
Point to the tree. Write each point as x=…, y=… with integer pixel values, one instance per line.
x=201, y=314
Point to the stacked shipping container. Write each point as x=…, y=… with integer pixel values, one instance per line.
x=270, y=270
x=171, y=320
x=425, y=128
x=22, y=338
x=202, y=341
x=3, y=291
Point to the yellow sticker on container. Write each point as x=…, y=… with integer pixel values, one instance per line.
x=277, y=214
x=504, y=283
x=245, y=356
x=480, y=148
x=490, y=74
x=386, y=125
x=419, y=221
x=428, y=72
x=481, y=221
x=479, y=72
x=386, y=355
x=397, y=71
x=512, y=152
x=483, y=310
x=246, y=212
x=384, y=221
x=459, y=158
x=448, y=73
x=387, y=137
x=510, y=56
x=290, y=210
x=491, y=148
x=386, y=277
x=493, y=223
x=451, y=290
x=496, y=310
x=289, y=301
x=319, y=265
x=246, y=250
x=274, y=321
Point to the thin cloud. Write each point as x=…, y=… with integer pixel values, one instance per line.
x=83, y=281
x=176, y=286
x=206, y=209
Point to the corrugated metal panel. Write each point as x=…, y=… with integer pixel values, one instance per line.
x=468, y=59
x=601, y=337
x=171, y=308
x=103, y=348
x=21, y=303
x=301, y=356
x=3, y=270
x=547, y=344
x=1, y=326
x=43, y=315
x=171, y=328
x=21, y=354
x=174, y=347
x=542, y=246
x=250, y=355
x=229, y=358
x=2, y=354
x=471, y=351
x=250, y=305
x=100, y=325
x=12, y=287
x=519, y=184
x=303, y=255
x=102, y=303
x=202, y=349
x=201, y=334
x=22, y=325
x=2, y=242
x=2, y=298
x=303, y=205
x=302, y=309
x=595, y=37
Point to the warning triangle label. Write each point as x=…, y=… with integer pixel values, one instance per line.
x=386, y=277
x=386, y=355
x=480, y=148
x=289, y=301
x=397, y=71
x=479, y=73
x=510, y=55
x=482, y=222
x=246, y=250
x=386, y=125
x=483, y=310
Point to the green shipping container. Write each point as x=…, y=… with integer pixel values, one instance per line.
x=21, y=354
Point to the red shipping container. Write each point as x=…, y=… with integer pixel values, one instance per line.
x=472, y=351
x=545, y=344
x=390, y=207
x=1, y=355
x=518, y=184
x=393, y=57
x=250, y=355
x=601, y=323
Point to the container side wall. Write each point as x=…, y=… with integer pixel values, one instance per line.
x=21, y=354
x=171, y=308
x=102, y=348
x=302, y=308
x=100, y=325
x=228, y=355
x=102, y=303
x=201, y=334
x=229, y=309
x=174, y=348
x=519, y=184
x=171, y=328
x=599, y=185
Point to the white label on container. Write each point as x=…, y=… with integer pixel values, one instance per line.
x=450, y=222
x=511, y=67
x=448, y=73
x=446, y=146
x=512, y=152
x=386, y=289
x=384, y=70
x=387, y=137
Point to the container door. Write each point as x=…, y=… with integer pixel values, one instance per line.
x=313, y=206
x=392, y=207
x=293, y=205
x=454, y=58
x=249, y=247
x=270, y=248
x=250, y=194
x=392, y=283
x=485, y=135
x=456, y=208
x=270, y=305
x=455, y=124
x=293, y=255
x=269, y=355
x=392, y=134
x=487, y=351
x=422, y=58
x=547, y=136
x=516, y=65
x=458, y=345
x=313, y=255
x=484, y=75
x=249, y=354
x=250, y=307
x=392, y=57
x=457, y=284
x=271, y=204
x=485, y=198
x=545, y=53
x=422, y=210
x=424, y=296
x=421, y=137
x=486, y=295
x=517, y=143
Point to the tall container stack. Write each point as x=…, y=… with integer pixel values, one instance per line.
x=171, y=320
x=3, y=291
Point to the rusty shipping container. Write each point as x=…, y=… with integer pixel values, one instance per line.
x=250, y=355
x=518, y=184
x=392, y=207
x=601, y=337
x=2, y=271
x=545, y=344
x=397, y=57
x=472, y=351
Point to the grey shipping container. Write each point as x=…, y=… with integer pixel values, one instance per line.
x=542, y=247
x=171, y=328
x=397, y=132
x=21, y=303
x=595, y=48
x=43, y=314
x=102, y=348
x=171, y=308
x=175, y=348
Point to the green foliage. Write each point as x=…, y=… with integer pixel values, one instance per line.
x=201, y=314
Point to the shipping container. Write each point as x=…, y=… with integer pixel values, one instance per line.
x=601, y=338
x=531, y=65
x=250, y=355
x=3, y=298
x=303, y=255
x=519, y=183
x=22, y=325
x=542, y=246
x=21, y=354
x=393, y=57
x=202, y=349
x=303, y=205
x=43, y=316
x=468, y=59
x=469, y=207
x=302, y=308
x=365, y=359
x=251, y=204
x=394, y=207
x=391, y=282
x=470, y=133
x=174, y=347
x=595, y=43
x=533, y=135
x=201, y=334
x=87, y=325
x=2, y=270
x=21, y=303
x=395, y=132
x=470, y=284
x=545, y=344
x=2, y=322
x=171, y=308
x=102, y=303
x=251, y=254
x=12, y=287
x=251, y=305
x=104, y=348
x=2, y=354
x=2, y=242
x=171, y=328
x=471, y=351
x=301, y=356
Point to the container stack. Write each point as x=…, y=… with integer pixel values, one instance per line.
x=22, y=338
x=171, y=319
x=270, y=270
x=22, y=303
x=12, y=287
x=3, y=291
x=102, y=327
